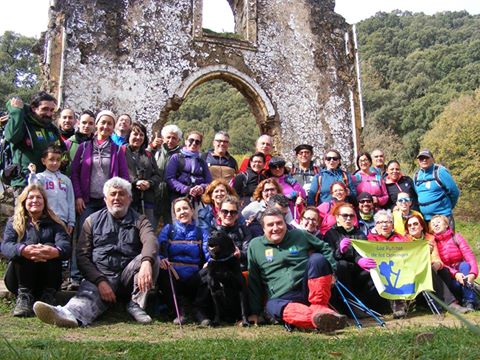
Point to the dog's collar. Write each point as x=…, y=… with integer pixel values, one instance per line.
x=221, y=260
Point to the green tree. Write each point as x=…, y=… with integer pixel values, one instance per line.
x=454, y=141
x=19, y=68
x=214, y=106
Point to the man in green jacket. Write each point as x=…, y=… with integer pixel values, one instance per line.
x=30, y=130
x=293, y=270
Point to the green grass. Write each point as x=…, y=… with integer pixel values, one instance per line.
x=471, y=232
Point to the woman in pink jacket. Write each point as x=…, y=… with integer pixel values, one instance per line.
x=368, y=180
x=339, y=192
x=457, y=256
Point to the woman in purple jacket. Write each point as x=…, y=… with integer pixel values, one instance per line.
x=186, y=173
x=95, y=162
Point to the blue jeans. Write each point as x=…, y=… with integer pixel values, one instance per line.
x=465, y=293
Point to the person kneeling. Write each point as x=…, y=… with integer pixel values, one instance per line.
x=117, y=253
x=298, y=284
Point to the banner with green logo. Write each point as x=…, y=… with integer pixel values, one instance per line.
x=403, y=268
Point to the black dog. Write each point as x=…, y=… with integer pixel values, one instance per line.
x=225, y=281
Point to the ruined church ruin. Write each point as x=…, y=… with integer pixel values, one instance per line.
x=293, y=60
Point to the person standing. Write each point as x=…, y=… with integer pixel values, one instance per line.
x=164, y=147
x=220, y=163
x=304, y=170
x=122, y=130
x=264, y=144
x=30, y=130
x=436, y=189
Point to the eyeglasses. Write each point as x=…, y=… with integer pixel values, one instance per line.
x=347, y=216
x=196, y=141
x=387, y=222
x=226, y=212
x=365, y=201
x=277, y=166
x=331, y=158
x=307, y=219
x=402, y=200
x=222, y=141
x=415, y=224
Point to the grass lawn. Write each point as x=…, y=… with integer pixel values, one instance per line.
x=115, y=336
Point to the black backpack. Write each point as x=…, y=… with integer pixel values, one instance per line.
x=8, y=170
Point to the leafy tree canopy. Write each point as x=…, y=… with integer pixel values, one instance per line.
x=19, y=69
x=413, y=65
x=214, y=106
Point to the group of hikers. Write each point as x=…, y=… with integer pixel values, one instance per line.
x=132, y=216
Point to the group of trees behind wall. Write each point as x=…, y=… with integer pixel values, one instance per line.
x=421, y=87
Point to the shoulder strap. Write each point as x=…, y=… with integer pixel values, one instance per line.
x=436, y=168
x=319, y=190
x=345, y=177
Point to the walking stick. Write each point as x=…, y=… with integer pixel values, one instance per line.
x=171, y=271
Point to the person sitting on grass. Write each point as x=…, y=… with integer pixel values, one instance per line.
x=294, y=281
x=457, y=256
x=117, y=255
x=35, y=241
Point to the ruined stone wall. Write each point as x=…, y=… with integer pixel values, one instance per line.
x=139, y=57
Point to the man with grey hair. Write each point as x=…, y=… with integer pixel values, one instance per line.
x=220, y=163
x=116, y=254
x=264, y=144
x=164, y=147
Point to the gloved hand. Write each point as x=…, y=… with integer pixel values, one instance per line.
x=367, y=263
x=344, y=244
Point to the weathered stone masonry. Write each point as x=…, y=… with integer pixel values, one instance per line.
x=294, y=62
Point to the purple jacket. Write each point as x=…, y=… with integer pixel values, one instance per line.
x=82, y=168
x=181, y=179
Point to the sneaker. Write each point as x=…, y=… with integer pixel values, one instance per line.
x=456, y=307
x=138, y=313
x=399, y=308
x=49, y=296
x=54, y=315
x=24, y=304
x=328, y=322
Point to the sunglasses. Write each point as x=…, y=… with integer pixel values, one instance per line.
x=226, y=212
x=277, y=166
x=402, y=200
x=347, y=216
x=196, y=141
x=413, y=224
x=422, y=158
x=365, y=201
x=331, y=158
x=222, y=141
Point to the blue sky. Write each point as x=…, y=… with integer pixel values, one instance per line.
x=30, y=17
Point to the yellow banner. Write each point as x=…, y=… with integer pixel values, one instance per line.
x=403, y=268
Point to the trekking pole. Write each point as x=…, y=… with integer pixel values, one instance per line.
x=345, y=301
x=174, y=295
x=367, y=309
x=431, y=304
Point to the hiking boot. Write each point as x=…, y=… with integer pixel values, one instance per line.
x=470, y=306
x=179, y=320
x=54, y=315
x=328, y=322
x=138, y=313
x=24, y=304
x=456, y=307
x=399, y=308
x=49, y=296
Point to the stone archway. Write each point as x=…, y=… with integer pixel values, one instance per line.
x=260, y=104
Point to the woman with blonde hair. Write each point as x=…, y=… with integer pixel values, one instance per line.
x=35, y=241
x=264, y=191
x=214, y=194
